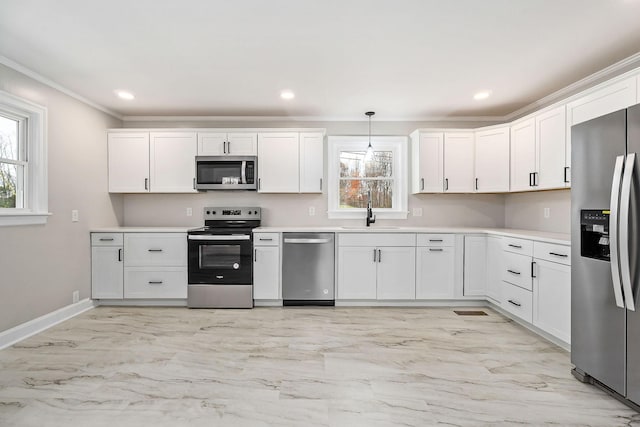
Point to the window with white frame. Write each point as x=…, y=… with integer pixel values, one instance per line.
x=356, y=178
x=23, y=162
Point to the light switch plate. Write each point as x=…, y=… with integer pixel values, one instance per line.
x=312, y=210
x=189, y=212
x=547, y=212
x=75, y=215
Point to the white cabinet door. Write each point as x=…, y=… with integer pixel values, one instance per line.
x=212, y=143
x=607, y=99
x=106, y=272
x=551, y=134
x=475, y=265
x=356, y=273
x=492, y=160
x=435, y=272
x=266, y=272
x=173, y=162
x=396, y=273
x=523, y=155
x=242, y=144
x=311, y=162
x=278, y=163
x=458, y=162
x=128, y=162
x=552, y=298
x=494, y=268
x=428, y=162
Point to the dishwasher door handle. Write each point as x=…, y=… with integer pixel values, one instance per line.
x=307, y=241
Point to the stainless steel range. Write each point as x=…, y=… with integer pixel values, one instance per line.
x=220, y=258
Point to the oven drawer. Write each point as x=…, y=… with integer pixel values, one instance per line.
x=161, y=249
x=266, y=239
x=106, y=239
x=155, y=283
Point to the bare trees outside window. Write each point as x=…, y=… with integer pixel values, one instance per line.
x=360, y=176
x=12, y=163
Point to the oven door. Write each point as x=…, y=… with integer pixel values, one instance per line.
x=220, y=259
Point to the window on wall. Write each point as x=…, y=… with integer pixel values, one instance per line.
x=355, y=178
x=23, y=163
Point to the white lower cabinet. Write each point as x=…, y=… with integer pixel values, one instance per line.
x=376, y=266
x=517, y=301
x=552, y=298
x=435, y=267
x=266, y=266
x=475, y=266
x=494, y=267
x=138, y=266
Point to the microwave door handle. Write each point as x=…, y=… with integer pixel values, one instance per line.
x=243, y=171
x=613, y=231
x=625, y=200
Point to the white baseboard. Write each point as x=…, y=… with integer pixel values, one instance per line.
x=267, y=303
x=412, y=303
x=142, y=302
x=39, y=324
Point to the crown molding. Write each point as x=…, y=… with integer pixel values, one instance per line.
x=44, y=80
x=305, y=119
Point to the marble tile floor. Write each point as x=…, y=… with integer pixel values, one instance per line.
x=132, y=366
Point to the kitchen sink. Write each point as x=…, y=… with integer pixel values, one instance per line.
x=362, y=227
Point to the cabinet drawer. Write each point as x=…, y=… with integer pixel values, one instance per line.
x=161, y=249
x=435, y=240
x=155, y=283
x=518, y=246
x=517, y=270
x=266, y=239
x=376, y=239
x=106, y=239
x=552, y=252
x=517, y=301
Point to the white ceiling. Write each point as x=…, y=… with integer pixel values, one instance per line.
x=405, y=59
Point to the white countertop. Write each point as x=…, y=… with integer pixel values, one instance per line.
x=542, y=236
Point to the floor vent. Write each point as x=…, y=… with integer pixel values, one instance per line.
x=470, y=312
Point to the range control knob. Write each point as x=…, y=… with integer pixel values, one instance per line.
x=208, y=212
x=214, y=212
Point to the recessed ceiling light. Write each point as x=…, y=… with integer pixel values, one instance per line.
x=125, y=95
x=482, y=95
x=287, y=94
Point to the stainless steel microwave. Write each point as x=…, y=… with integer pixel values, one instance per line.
x=226, y=173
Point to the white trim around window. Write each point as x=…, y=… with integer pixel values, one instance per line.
x=398, y=145
x=34, y=209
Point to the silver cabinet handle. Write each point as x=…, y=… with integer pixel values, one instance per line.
x=228, y=147
x=625, y=201
x=120, y=255
x=517, y=304
x=613, y=231
x=421, y=184
x=514, y=272
x=515, y=246
x=224, y=147
x=104, y=239
x=557, y=254
x=146, y=183
x=155, y=282
x=435, y=250
x=379, y=255
x=533, y=271
x=155, y=250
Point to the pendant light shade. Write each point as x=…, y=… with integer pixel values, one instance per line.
x=369, y=154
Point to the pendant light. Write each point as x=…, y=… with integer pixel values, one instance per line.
x=369, y=154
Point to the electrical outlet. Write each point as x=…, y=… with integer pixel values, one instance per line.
x=75, y=296
x=547, y=212
x=417, y=211
x=75, y=215
x=189, y=212
x=312, y=210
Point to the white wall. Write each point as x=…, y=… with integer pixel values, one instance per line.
x=526, y=211
x=40, y=266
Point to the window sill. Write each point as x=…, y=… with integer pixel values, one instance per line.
x=23, y=218
x=362, y=214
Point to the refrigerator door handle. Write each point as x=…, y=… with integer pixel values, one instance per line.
x=613, y=231
x=625, y=201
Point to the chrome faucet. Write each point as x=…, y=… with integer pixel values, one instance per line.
x=370, y=217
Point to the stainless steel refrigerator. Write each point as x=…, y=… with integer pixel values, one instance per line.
x=605, y=311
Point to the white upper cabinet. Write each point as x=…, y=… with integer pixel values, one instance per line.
x=523, y=155
x=128, y=162
x=172, y=162
x=550, y=147
x=427, y=152
x=609, y=98
x=278, y=162
x=459, y=175
x=227, y=143
x=311, y=162
x=492, y=160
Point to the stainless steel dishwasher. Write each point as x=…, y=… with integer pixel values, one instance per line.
x=308, y=269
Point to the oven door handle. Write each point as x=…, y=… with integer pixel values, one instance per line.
x=218, y=238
